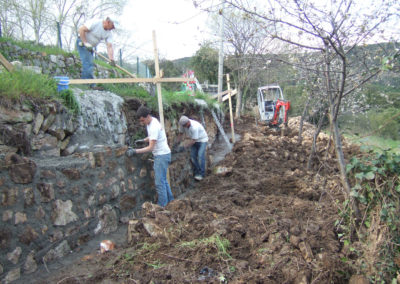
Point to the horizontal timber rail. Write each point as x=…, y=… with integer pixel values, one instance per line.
x=127, y=80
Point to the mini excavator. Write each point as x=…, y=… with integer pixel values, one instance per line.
x=272, y=106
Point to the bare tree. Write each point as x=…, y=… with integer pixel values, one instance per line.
x=246, y=44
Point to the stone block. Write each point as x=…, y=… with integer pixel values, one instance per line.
x=14, y=255
x=21, y=169
x=7, y=215
x=47, y=174
x=62, y=213
x=28, y=235
x=46, y=191
x=30, y=264
x=20, y=218
x=13, y=275
x=37, y=124
x=9, y=196
x=72, y=174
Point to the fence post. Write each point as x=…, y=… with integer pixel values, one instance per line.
x=137, y=65
x=59, y=43
x=120, y=57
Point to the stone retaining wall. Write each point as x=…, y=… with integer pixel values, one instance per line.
x=53, y=65
x=52, y=206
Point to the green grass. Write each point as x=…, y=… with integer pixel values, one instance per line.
x=376, y=143
x=19, y=83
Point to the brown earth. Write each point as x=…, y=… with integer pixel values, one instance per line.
x=266, y=219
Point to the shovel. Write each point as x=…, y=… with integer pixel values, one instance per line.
x=119, y=67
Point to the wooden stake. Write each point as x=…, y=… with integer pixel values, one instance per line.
x=230, y=107
x=5, y=63
x=159, y=94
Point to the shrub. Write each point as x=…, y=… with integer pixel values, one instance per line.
x=19, y=83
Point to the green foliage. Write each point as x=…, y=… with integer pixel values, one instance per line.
x=382, y=96
x=70, y=101
x=382, y=123
x=205, y=64
x=19, y=83
x=377, y=188
x=297, y=97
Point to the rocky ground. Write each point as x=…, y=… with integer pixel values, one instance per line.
x=259, y=217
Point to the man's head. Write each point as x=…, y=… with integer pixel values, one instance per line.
x=108, y=24
x=143, y=114
x=184, y=121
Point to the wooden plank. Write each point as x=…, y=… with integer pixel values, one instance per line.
x=234, y=92
x=230, y=107
x=126, y=80
x=5, y=63
x=224, y=93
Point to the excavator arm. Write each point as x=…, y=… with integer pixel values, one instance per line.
x=277, y=108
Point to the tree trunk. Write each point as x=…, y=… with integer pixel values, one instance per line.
x=303, y=115
x=339, y=152
x=314, y=144
x=238, y=102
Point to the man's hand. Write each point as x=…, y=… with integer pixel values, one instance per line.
x=130, y=152
x=88, y=46
x=112, y=63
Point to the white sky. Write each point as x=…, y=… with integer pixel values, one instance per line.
x=179, y=27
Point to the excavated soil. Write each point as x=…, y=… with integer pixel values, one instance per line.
x=259, y=217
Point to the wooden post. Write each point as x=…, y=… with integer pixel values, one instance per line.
x=159, y=94
x=158, y=84
x=230, y=107
x=5, y=63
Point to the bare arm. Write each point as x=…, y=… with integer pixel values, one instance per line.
x=152, y=144
x=110, y=51
x=82, y=33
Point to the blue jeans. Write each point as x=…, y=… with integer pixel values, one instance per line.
x=198, y=158
x=161, y=163
x=86, y=59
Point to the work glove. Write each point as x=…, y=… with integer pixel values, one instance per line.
x=130, y=152
x=112, y=63
x=88, y=46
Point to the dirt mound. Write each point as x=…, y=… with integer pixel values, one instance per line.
x=260, y=218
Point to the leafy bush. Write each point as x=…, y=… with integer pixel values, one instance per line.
x=373, y=240
x=19, y=83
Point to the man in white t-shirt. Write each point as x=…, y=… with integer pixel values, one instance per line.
x=158, y=144
x=198, y=143
x=89, y=36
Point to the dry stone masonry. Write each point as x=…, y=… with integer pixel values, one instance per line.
x=51, y=206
